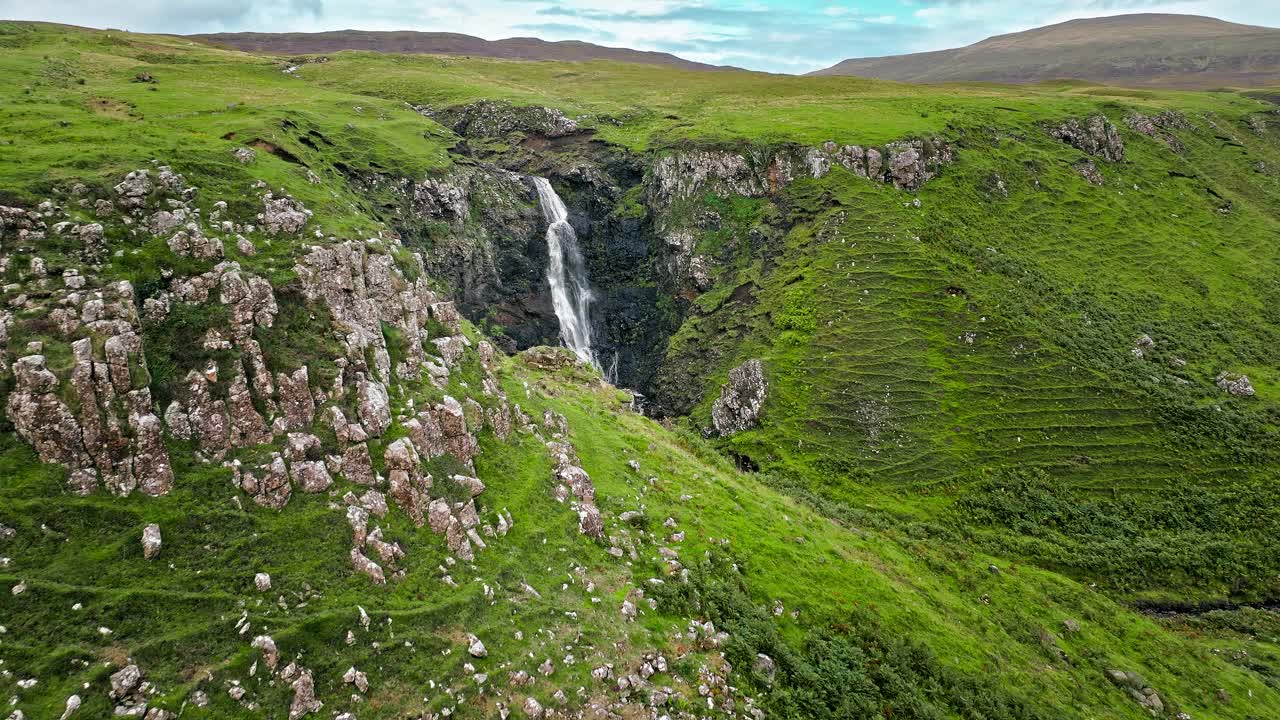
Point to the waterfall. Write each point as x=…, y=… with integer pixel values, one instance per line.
x=567, y=274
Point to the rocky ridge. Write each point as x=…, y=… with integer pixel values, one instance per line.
x=683, y=175
x=271, y=430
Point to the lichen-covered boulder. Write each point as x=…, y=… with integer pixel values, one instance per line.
x=1235, y=384
x=304, y=696
x=283, y=215
x=151, y=541
x=1096, y=136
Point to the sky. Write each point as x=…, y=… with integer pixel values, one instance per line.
x=789, y=36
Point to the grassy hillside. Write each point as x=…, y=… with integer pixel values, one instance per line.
x=936, y=527
x=984, y=334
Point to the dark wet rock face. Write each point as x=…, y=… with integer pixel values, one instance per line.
x=621, y=251
x=480, y=230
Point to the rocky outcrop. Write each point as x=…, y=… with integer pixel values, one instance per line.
x=426, y=434
x=268, y=484
x=1138, y=689
x=267, y=646
x=409, y=486
x=571, y=479
x=458, y=440
x=1235, y=384
x=1160, y=127
x=128, y=691
x=45, y=421
x=114, y=437
x=1142, y=346
x=496, y=119
x=373, y=406
x=192, y=242
x=312, y=476
x=238, y=404
x=440, y=430
x=1095, y=136
x=684, y=175
x=304, y=696
x=909, y=164
x=364, y=565
x=357, y=678
x=1088, y=170
x=362, y=290
x=549, y=359
x=99, y=422
x=132, y=192
x=296, y=401
x=741, y=399
x=443, y=198
x=357, y=465
x=282, y=215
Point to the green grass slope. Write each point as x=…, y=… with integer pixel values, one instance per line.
x=992, y=329
x=863, y=610
x=931, y=512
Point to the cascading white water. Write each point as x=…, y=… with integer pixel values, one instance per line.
x=567, y=274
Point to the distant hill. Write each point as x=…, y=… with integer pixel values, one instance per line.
x=441, y=43
x=1183, y=51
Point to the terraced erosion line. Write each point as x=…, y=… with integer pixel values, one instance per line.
x=570, y=292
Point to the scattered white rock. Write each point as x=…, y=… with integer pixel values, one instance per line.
x=270, y=654
x=125, y=680
x=357, y=678
x=73, y=704
x=151, y=541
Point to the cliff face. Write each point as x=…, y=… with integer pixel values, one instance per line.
x=635, y=214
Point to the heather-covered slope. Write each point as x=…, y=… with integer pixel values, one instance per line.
x=1137, y=50
x=282, y=314
x=436, y=43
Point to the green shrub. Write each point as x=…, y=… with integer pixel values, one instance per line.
x=851, y=668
